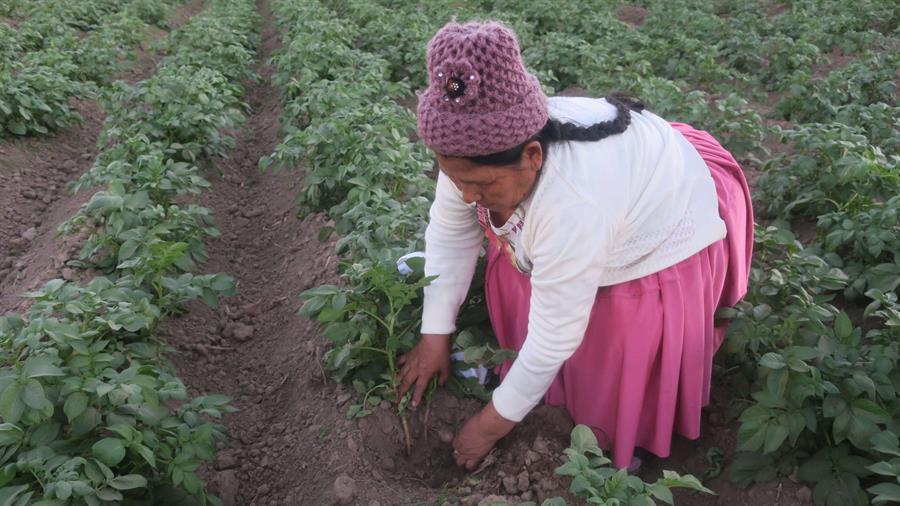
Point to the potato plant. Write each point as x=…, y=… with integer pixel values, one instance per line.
x=816, y=382
x=36, y=100
x=92, y=410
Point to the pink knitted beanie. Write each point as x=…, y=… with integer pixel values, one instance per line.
x=480, y=99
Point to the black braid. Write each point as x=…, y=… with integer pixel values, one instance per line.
x=556, y=131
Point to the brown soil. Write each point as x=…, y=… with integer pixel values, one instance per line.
x=837, y=60
x=776, y=9
x=632, y=14
x=291, y=443
x=34, y=172
x=33, y=175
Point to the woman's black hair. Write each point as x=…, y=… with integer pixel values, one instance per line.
x=555, y=131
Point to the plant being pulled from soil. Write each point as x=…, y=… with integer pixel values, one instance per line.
x=371, y=181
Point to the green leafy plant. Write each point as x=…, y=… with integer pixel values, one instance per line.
x=36, y=100
x=598, y=483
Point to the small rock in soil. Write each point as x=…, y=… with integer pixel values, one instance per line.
x=225, y=461
x=29, y=234
x=344, y=489
x=522, y=482
x=387, y=464
x=491, y=499
x=540, y=445
x=29, y=194
x=510, y=485
x=546, y=485
x=473, y=500
x=253, y=213
x=228, y=485
x=344, y=398
x=237, y=330
x=804, y=494
x=352, y=445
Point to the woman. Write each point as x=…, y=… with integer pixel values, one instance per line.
x=614, y=237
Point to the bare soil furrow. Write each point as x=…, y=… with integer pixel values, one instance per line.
x=34, y=173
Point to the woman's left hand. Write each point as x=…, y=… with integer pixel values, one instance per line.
x=478, y=436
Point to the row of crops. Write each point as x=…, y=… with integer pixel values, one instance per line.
x=813, y=350
x=56, y=51
x=93, y=411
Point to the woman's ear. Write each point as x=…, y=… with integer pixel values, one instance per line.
x=533, y=156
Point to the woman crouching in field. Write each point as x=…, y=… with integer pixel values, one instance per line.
x=614, y=238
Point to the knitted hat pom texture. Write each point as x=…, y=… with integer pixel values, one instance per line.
x=480, y=99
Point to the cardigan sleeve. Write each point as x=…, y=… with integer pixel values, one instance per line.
x=452, y=242
x=568, y=252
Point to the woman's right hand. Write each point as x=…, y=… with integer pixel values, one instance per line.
x=430, y=356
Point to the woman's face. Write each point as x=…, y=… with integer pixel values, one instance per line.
x=499, y=188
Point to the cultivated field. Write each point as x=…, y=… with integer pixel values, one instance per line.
x=202, y=203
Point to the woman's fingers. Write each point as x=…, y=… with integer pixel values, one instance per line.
x=408, y=376
x=421, y=386
x=445, y=373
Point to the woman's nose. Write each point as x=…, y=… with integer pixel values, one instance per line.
x=471, y=195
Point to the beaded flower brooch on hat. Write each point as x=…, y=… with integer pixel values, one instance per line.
x=458, y=80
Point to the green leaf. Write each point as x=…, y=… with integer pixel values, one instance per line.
x=127, y=249
x=884, y=469
x=44, y=434
x=40, y=366
x=555, y=501
x=75, y=405
x=885, y=492
x=843, y=327
x=775, y=436
x=34, y=398
x=815, y=469
x=109, y=494
x=109, y=450
x=11, y=406
x=662, y=492
x=833, y=406
x=128, y=482
x=886, y=442
x=10, y=496
x=10, y=434
x=867, y=409
x=772, y=360
x=583, y=438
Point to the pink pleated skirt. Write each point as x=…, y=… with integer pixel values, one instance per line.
x=643, y=371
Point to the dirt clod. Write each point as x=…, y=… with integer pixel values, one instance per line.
x=510, y=484
x=29, y=234
x=522, y=482
x=225, y=460
x=227, y=486
x=344, y=489
x=238, y=331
